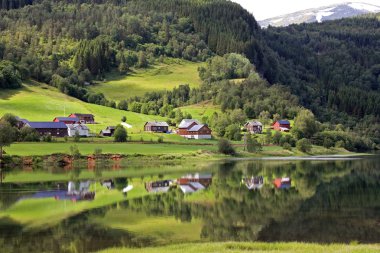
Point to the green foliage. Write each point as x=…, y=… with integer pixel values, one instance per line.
x=10, y=119
x=160, y=139
x=28, y=134
x=74, y=151
x=124, y=119
x=233, y=132
x=304, y=145
x=10, y=77
x=286, y=146
x=120, y=134
x=7, y=136
x=305, y=125
x=76, y=136
x=225, y=147
x=253, y=146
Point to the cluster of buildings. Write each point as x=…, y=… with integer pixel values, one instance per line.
x=257, y=182
x=61, y=126
x=187, y=184
x=192, y=129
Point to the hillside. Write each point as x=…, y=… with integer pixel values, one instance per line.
x=39, y=102
x=332, y=12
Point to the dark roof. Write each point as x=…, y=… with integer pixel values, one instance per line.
x=254, y=123
x=284, y=122
x=66, y=119
x=46, y=125
x=185, y=123
x=196, y=128
x=111, y=128
x=155, y=123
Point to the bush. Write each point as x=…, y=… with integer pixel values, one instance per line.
x=304, y=145
x=74, y=151
x=225, y=147
x=233, y=132
x=253, y=146
x=124, y=119
x=120, y=134
x=160, y=139
x=76, y=137
x=287, y=146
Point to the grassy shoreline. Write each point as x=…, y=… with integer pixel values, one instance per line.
x=236, y=247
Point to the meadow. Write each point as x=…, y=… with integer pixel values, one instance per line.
x=257, y=247
x=162, y=76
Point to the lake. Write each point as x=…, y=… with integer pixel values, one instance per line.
x=136, y=205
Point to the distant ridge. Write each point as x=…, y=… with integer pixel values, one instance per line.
x=332, y=12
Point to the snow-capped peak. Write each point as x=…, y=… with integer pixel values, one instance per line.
x=364, y=6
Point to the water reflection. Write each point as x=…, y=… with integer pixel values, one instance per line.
x=325, y=201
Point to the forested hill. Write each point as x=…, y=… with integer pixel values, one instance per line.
x=333, y=67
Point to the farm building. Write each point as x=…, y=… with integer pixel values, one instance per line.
x=194, y=182
x=84, y=118
x=109, y=131
x=66, y=120
x=254, y=127
x=82, y=130
x=282, y=183
x=281, y=125
x=192, y=129
x=21, y=122
x=158, y=186
x=56, y=129
x=157, y=127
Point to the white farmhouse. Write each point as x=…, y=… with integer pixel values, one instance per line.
x=80, y=128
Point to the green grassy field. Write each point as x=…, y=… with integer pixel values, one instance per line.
x=25, y=149
x=163, y=76
x=236, y=247
x=200, y=110
x=41, y=102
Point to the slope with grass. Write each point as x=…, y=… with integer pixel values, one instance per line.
x=200, y=110
x=164, y=76
x=40, y=102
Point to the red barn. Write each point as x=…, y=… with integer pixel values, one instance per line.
x=281, y=125
x=66, y=120
x=191, y=129
x=83, y=118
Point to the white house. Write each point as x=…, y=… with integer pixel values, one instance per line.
x=80, y=128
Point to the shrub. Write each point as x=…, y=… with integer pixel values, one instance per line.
x=287, y=146
x=304, y=145
x=225, y=147
x=253, y=146
x=120, y=134
x=160, y=139
x=74, y=151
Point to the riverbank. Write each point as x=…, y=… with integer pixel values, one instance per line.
x=237, y=247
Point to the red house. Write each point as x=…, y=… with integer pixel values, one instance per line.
x=83, y=118
x=66, y=120
x=281, y=125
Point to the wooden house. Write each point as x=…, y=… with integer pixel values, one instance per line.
x=254, y=127
x=282, y=183
x=56, y=129
x=83, y=118
x=82, y=130
x=109, y=131
x=21, y=122
x=192, y=129
x=281, y=125
x=66, y=120
x=156, y=127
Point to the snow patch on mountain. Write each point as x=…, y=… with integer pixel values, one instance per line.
x=365, y=7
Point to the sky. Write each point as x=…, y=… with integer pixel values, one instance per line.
x=263, y=9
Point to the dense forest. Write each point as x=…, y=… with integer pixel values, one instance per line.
x=330, y=68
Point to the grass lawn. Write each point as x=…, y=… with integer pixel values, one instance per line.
x=198, y=111
x=163, y=76
x=40, y=102
x=162, y=229
x=43, y=148
x=237, y=247
x=48, y=211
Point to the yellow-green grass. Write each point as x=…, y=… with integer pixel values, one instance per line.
x=44, y=148
x=48, y=211
x=163, y=76
x=39, y=102
x=163, y=229
x=237, y=247
x=200, y=110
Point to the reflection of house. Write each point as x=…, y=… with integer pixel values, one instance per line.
x=157, y=127
x=254, y=127
x=192, y=183
x=83, y=118
x=192, y=129
x=281, y=125
x=282, y=183
x=253, y=183
x=80, y=128
x=66, y=120
x=158, y=186
x=109, y=131
x=57, y=129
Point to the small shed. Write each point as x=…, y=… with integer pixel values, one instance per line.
x=156, y=127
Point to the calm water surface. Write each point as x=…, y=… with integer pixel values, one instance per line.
x=321, y=201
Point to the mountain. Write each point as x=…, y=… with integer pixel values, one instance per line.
x=332, y=12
